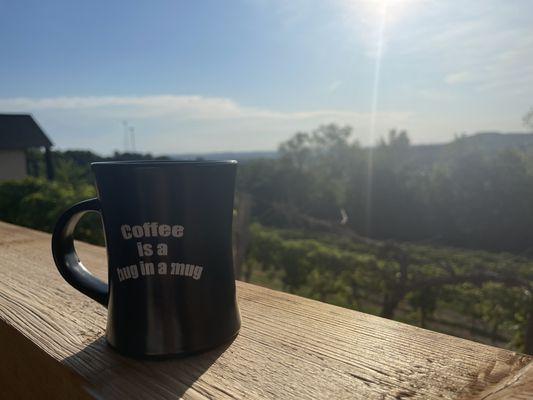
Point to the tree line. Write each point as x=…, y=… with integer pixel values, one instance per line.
x=460, y=194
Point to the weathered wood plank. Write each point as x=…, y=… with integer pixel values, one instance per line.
x=289, y=347
x=516, y=386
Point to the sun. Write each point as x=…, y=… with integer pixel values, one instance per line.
x=371, y=11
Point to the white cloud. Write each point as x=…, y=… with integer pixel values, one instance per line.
x=486, y=44
x=333, y=86
x=458, y=77
x=177, y=124
x=144, y=106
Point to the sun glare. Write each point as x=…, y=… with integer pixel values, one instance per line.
x=370, y=12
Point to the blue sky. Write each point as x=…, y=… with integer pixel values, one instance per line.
x=203, y=76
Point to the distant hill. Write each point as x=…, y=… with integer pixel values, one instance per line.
x=498, y=141
x=424, y=153
x=239, y=156
x=488, y=142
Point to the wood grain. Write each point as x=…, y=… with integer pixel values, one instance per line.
x=289, y=347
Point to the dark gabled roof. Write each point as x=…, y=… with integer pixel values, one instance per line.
x=20, y=131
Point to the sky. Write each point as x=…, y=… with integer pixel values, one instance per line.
x=242, y=75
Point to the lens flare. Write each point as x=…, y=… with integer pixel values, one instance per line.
x=374, y=107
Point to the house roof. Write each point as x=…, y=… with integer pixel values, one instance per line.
x=20, y=131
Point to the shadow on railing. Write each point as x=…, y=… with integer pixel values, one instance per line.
x=98, y=362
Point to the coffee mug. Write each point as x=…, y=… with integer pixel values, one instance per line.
x=167, y=225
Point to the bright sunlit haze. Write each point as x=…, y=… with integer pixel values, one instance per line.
x=246, y=75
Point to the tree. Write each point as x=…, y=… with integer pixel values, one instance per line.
x=528, y=119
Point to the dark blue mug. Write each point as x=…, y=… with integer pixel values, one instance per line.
x=167, y=225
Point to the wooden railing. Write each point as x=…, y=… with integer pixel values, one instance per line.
x=52, y=346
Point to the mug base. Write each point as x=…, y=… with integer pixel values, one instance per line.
x=174, y=355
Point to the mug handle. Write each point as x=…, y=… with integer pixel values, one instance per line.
x=67, y=261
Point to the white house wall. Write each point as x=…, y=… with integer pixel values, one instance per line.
x=12, y=164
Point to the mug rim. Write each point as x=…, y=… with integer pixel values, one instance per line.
x=157, y=163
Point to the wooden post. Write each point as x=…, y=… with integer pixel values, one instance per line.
x=49, y=164
x=242, y=234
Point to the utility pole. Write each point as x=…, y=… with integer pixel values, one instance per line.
x=132, y=139
x=126, y=136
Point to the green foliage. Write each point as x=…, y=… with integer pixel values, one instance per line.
x=365, y=276
x=463, y=195
x=73, y=166
x=37, y=203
